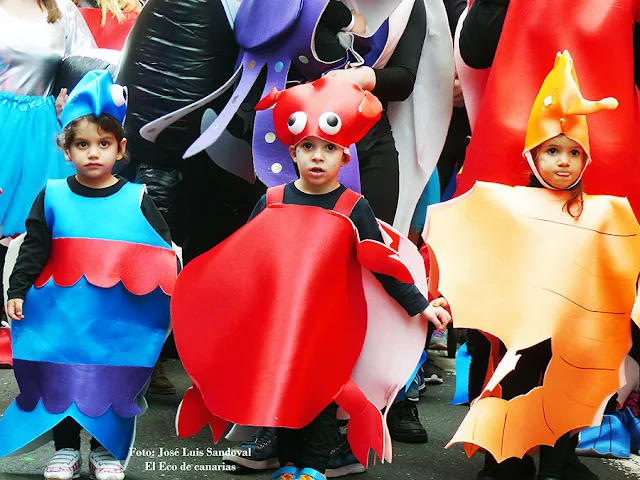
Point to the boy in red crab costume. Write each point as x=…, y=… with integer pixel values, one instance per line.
x=287, y=290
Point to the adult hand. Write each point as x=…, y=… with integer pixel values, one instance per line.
x=359, y=23
x=458, y=98
x=364, y=77
x=61, y=101
x=14, y=309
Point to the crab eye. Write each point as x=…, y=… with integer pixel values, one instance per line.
x=119, y=95
x=330, y=123
x=296, y=123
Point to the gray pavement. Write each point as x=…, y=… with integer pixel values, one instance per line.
x=156, y=431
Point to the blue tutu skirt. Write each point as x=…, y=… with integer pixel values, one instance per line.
x=29, y=155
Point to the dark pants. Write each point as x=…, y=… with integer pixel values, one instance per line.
x=67, y=435
x=379, y=170
x=310, y=446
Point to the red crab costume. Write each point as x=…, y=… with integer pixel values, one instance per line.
x=598, y=34
x=289, y=291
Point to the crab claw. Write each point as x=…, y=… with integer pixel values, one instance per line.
x=366, y=424
x=269, y=100
x=379, y=258
x=193, y=416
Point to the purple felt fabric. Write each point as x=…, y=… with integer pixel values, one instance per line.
x=93, y=388
x=259, y=22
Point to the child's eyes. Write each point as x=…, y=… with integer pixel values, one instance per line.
x=330, y=147
x=81, y=144
x=105, y=143
x=575, y=153
x=307, y=146
x=552, y=151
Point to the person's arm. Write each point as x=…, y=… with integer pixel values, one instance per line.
x=395, y=82
x=34, y=251
x=454, y=11
x=481, y=32
x=157, y=221
x=260, y=206
x=406, y=294
x=336, y=16
x=77, y=36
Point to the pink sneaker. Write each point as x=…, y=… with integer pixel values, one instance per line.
x=103, y=466
x=64, y=465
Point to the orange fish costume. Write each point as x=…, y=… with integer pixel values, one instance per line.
x=541, y=274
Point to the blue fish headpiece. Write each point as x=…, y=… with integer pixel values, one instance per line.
x=95, y=94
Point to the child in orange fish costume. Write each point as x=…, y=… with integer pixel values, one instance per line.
x=562, y=268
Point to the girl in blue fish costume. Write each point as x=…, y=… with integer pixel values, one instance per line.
x=89, y=297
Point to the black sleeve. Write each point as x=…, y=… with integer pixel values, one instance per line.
x=395, y=82
x=406, y=294
x=157, y=221
x=481, y=32
x=260, y=206
x=336, y=16
x=155, y=218
x=34, y=252
x=454, y=10
x=636, y=53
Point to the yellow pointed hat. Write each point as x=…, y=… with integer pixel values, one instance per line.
x=560, y=108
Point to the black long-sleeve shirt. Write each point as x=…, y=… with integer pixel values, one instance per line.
x=406, y=294
x=34, y=252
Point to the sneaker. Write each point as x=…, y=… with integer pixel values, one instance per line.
x=102, y=466
x=413, y=392
x=160, y=383
x=404, y=423
x=64, y=465
x=343, y=461
x=433, y=375
x=438, y=341
x=310, y=474
x=259, y=453
x=285, y=473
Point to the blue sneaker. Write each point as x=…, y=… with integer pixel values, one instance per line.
x=343, y=461
x=285, y=473
x=259, y=453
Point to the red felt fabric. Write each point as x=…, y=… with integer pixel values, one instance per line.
x=599, y=37
x=288, y=300
x=6, y=357
x=104, y=263
x=113, y=34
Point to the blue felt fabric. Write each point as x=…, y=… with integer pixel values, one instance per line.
x=463, y=364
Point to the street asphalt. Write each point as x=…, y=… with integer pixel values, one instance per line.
x=156, y=436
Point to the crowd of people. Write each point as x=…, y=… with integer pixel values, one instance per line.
x=386, y=214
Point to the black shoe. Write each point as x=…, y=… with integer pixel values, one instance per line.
x=404, y=423
x=259, y=453
x=575, y=470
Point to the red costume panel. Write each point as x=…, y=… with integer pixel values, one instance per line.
x=599, y=37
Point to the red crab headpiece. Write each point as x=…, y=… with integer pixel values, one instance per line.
x=331, y=109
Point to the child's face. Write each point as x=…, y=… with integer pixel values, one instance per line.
x=318, y=161
x=94, y=153
x=560, y=161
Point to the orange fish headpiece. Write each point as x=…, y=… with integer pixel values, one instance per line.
x=560, y=108
x=331, y=109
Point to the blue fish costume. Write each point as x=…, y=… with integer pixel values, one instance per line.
x=97, y=316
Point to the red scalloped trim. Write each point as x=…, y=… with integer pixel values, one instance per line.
x=104, y=263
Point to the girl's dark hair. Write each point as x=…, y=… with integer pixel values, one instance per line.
x=575, y=198
x=53, y=12
x=105, y=123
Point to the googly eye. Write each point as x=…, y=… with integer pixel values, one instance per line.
x=119, y=95
x=330, y=123
x=296, y=123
